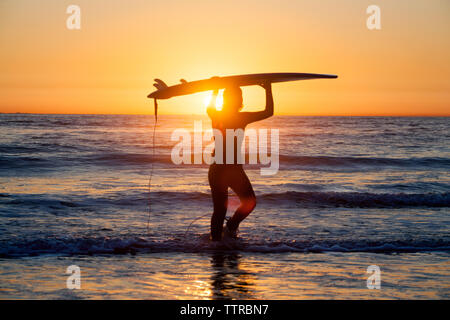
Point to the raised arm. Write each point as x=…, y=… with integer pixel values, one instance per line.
x=250, y=117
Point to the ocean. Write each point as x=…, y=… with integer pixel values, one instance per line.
x=350, y=192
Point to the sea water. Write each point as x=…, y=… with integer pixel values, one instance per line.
x=350, y=192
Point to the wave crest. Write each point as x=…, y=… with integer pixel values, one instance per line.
x=139, y=245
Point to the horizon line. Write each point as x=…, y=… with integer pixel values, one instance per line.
x=282, y=115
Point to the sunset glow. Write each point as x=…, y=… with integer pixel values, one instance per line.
x=219, y=101
x=108, y=66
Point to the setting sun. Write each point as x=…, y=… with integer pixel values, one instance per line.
x=219, y=100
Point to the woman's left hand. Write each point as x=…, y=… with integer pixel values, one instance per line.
x=266, y=85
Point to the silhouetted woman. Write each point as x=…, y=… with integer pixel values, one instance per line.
x=225, y=175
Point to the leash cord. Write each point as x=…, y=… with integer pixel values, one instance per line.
x=198, y=218
x=151, y=176
x=151, y=170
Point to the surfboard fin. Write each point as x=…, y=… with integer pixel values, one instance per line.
x=159, y=83
x=183, y=81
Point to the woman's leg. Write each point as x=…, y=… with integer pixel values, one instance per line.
x=241, y=185
x=219, y=191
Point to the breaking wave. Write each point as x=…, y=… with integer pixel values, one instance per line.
x=302, y=199
x=18, y=158
x=138, y=245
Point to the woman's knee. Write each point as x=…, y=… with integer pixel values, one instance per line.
x=248, y=204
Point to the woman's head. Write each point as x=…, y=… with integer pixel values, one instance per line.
x=232, y=99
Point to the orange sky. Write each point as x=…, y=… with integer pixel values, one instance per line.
x=108, y=66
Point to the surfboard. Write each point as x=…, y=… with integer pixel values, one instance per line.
x=165, y=92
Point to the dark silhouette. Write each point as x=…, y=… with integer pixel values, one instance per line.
x=224, y=176
x=230, y=281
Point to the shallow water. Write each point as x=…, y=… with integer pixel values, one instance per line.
x=229, y=275
x=350, y=192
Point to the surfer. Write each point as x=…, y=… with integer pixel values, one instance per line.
x=232, y=175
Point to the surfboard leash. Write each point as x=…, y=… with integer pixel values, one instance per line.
x=151, y=175
x=153, y=161
x=198, y=218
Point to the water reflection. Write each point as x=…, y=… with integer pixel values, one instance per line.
x=229, y=280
